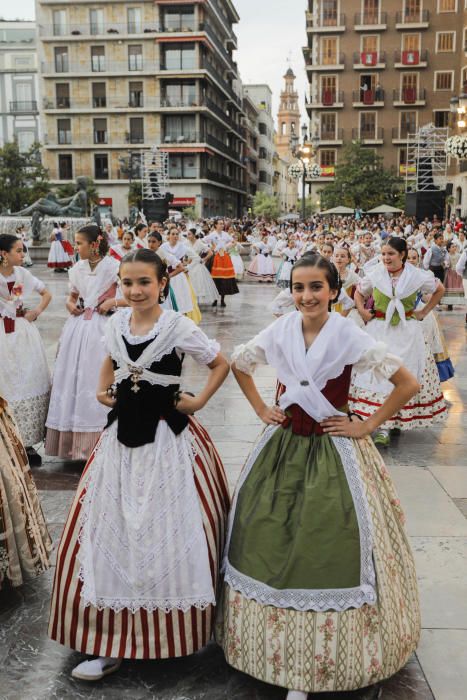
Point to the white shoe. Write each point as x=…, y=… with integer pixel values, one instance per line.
x=96, y=669
x=296, y=695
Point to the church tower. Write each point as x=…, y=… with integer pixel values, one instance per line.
x=288, y=117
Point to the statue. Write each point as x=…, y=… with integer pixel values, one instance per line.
x=96, y=216
x=36, y=223
x=75, y=206
x=134, y=213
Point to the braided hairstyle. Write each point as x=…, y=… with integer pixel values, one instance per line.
x=312, y=259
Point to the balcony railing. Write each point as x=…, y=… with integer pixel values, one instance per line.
x=327, y=20
x=97, y=67
x=337, y=59
x=369, y=59
x=422, y=17
x=371, y=19
x=331, y=135
x=329, y=98
x=403, y=132
x=108, y=29
x=187, y=137
x=23, y=107
x=368, y=97
x=223, y=147
x=367, y=135
x=409, y=95
x=411, y=58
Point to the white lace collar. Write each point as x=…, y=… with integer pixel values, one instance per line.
x=125, y=318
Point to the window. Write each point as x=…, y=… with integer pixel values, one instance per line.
x=135, y=57
x=447, y=5
x=62, y=95
x=136, y=130
x=412, y=10
x=263, y=154
x=134, y=19
x=262, y=128
x=65, y=166
x=328, y=125
x=441, y=118
x=371, y=11
x=97, y=59
x=136, y=94
x=176, y=20
x=329, y=10
x=61, y=59
x=100, y=130
x=96, y=21
x=64, y=131
x=444, y=80
x=180, y=128
x=327, y=161
x=25, y=139
x=99, y=98
x=370, y=43
x=328, y=51
x=408, y=124
x=368, y=125
x=101, y=166
x=23, y=93
x=180, y=57
x=445, y=41
x=411, y=42
x=182, y=167
x=180, y=94
x=59, y=20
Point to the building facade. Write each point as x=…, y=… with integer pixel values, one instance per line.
x=378, y=70
x=288, y=117
x=117, y=78
x=261, y=96
x=251, y=148
x=19, y=115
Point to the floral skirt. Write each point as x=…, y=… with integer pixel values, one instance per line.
x=25, y=544
x=331, y=647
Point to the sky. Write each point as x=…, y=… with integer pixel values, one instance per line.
x=271, y=34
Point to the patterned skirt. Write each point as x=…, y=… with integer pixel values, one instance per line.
x=330, y=647
x=25, y=544
x=143, y=634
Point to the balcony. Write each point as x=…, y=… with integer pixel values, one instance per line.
x=418, y=20
x=91, y=68
x=376, y=60
x=101, y=30
x=403, y=134
x=371, y=21
x=324, y=63
x=223, y=147
x=23, y=107
x=411, y=59
x=327, y=99
x=368, y=98
x=100, y=136
x=327, y=23
x=373, y=136
x=332, y=137
x=409, y=97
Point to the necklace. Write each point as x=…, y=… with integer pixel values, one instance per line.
x=94, y=263
x=395, y=272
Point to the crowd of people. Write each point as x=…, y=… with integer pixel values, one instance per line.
x=156, y=557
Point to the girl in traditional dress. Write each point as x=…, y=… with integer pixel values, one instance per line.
x=261, y=267
x=203, y=284
x=235, y=253
x=25, y=545
x=60, y=258
x=222, y=269
x=184, y=292
x=290, y=255
x=137, y=565
x=453, y=283
x=119, y=250
x=320, y=587
x=76, y=419
x=141, y=233
x=395, y=285
x=24, y=373
x=349, y=280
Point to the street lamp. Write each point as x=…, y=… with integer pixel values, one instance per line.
x=303, y=153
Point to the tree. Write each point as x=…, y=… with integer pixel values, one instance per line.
x=361, y=180
x=135, y=194
x=265, y=205
x=23, y=179
x=191, y=213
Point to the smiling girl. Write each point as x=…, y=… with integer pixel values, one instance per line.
x=137, y=566
x=320, y=588
x=24, y=373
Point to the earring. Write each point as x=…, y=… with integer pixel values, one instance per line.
x=161, y=298
x=4, y=262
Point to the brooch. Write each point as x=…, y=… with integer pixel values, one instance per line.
x=135, y=376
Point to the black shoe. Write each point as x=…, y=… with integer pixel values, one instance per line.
x=35, y=460
x=214, y=303
x=223, y=304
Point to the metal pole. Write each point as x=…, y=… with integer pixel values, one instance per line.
x=304, y=191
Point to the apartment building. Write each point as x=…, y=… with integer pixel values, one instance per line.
x=19, y=116
x=378, y=70
x=117, y=78
x=261, y=96
x=251, y=148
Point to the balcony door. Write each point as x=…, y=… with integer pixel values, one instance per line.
x=368, y=125
x=328, y=51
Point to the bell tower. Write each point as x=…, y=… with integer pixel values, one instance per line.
x=288, y=117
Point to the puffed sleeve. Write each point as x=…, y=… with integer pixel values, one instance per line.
x=365, y=286
x=248, y=356
x=199, y=346
x=33, y=282
x=430, y=284
x=378, y=360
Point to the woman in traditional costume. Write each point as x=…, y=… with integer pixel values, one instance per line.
x=119, y=250
x=201, y=280
x=320, y=589
x=222, y=269
x=76, y=419
x=261, y=267
x=24, y=372
x=289, y=255
x=395, y=285
x=138, y=562
x=25, y=545
x=61, y=251
x=183, y=289
x=454, y=287
x=235, y=253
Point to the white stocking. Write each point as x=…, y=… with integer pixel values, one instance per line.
x=296, y=695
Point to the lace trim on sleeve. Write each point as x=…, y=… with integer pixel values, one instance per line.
x=248, y=356
x=379, y=361
x=201, y=348
x=365, y=287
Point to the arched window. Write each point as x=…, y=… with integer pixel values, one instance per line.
x=292, y=127
x=284, y=129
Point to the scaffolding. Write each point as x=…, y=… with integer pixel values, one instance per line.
x=154, y=174
x=427, y=161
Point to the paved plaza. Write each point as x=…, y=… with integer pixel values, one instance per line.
x=429, y=468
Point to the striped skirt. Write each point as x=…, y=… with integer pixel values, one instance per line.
x=142, y=635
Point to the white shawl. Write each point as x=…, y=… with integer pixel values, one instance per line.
x=306, y=373
x=92, y=285
x=9, y=304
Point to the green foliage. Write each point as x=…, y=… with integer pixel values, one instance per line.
x=135, y=194
x=23, y=179
x=310, y=206
x=191, y=213
x=361, y=180
x=265, y=205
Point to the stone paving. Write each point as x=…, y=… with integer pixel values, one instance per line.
x=430, y=471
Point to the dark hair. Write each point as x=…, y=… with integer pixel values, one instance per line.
x=7, y=241
x=346, y=249
x=93, y=234
x=311, y=259
x=156, y=235
x=450, y=243
x=139, y=227
x=129, y=233
x=144, y=255
x=414, y=250
x=399, y=244
x=438, y=234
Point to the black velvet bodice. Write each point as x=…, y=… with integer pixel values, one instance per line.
x=139, y=412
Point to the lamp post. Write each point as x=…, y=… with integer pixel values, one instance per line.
x=303, y=153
